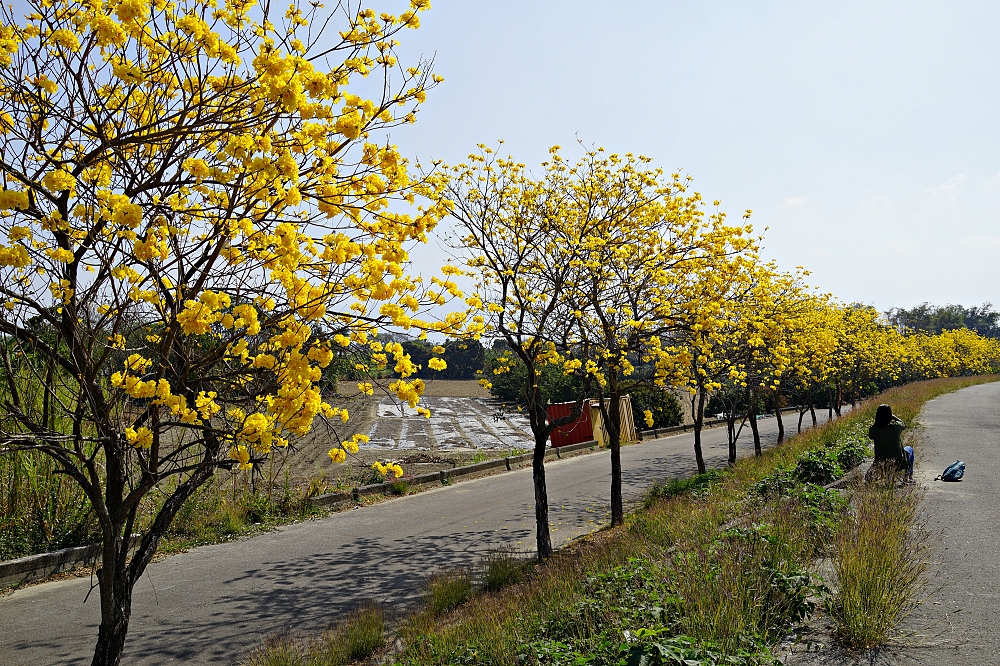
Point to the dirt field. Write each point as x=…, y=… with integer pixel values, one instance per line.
x=466, y=424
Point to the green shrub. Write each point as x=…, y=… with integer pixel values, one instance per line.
x=853, y=446
x=779, y=484
x=819, y=467
x=399, y=487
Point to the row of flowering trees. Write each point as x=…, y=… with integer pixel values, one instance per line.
x=198, y=210
x=614, y=271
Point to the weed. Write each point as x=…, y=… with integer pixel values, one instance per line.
x=820, y=467
x=361, y=635
x=399, y=487
x=447, y=590
x=502, y=567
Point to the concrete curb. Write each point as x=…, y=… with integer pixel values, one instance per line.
x=860, y=471
x=34, y=567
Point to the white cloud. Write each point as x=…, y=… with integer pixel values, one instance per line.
x=947, y=190
x=795, y=202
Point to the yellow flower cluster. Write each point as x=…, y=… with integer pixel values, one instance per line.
x=387, y=468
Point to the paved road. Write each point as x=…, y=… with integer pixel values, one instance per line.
x=958, y=623
x=213, y=603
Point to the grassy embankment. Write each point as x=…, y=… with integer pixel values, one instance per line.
x=713, y=569
x=44, y=511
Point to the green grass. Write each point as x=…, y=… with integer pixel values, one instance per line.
x=359, y=636
x=40, y=510
x=447, y=590
x=502, y=567
x=217, y=513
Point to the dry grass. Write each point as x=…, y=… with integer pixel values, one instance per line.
x=878, y=561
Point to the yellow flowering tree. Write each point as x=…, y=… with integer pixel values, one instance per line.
x=191, y=192
x=754, y=351
x=644, y=246
x=513, y=240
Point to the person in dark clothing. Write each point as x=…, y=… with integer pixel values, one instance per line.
x=887, y=434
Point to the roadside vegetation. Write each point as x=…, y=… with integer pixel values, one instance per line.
x=45, y=511
x=713, y=569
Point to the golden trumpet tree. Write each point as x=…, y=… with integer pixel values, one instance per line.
x=643, y=246
x=191, y=191
x=759, y=350
x=868, y=354
x=514, y=241
x=707, y=354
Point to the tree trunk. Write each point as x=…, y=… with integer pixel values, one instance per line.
x=116, y=612
x=731, y=428
x=117, y=574
x=698, y=419
x=829, y=409
x=781, y=424
x=543, y=540
x=752, y=415
x=812, y=409
x=614, y=435
x=839, y=400
x=802, y=414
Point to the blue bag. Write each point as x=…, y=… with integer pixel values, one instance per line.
x=953, y=472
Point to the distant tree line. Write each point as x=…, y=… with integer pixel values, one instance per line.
x=934, y=319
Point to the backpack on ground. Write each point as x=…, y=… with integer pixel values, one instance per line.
x=953, y=472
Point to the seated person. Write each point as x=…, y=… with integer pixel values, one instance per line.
x=887, y=433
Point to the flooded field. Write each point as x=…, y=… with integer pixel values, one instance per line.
x=469, y=424
x=465, y=425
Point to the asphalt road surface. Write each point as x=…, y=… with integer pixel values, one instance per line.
x=210, y=605
x=957, y=624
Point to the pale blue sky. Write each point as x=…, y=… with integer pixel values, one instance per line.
x=863, y=134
